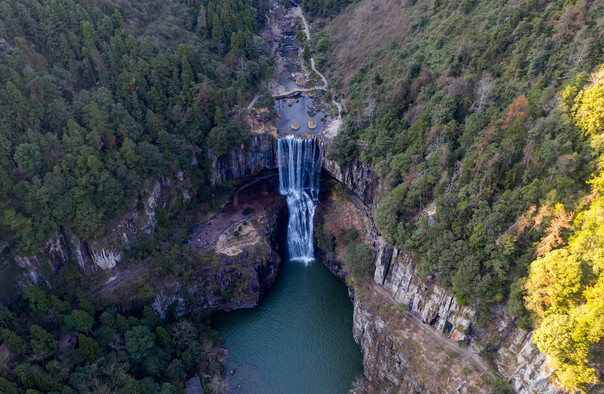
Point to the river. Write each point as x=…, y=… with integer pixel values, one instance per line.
x=299, y=340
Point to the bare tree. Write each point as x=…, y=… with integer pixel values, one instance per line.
x=484, y=93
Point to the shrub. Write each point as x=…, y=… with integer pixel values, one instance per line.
x=359, y=258
x=324, y=242
x=353, y=234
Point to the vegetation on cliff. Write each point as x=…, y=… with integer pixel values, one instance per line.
x=470, y=113
x=97, y=96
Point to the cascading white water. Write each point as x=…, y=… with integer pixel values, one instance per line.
x=299, y=170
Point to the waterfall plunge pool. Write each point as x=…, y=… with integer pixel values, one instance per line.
x=299, y=340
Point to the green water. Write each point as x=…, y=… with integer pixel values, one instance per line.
x=299, y=340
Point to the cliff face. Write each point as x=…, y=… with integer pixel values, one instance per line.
x=138, y=219
x=241, y=274
x=234, y=274
x=104, y=253
x=386, y=357
x=258, y=155
x=359, y=177
x=515, y=356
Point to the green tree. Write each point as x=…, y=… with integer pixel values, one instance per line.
x=139, y=341
x=28, y=158
x=359, y=259
x=306, y=53
x=82, y=320
x=88, y=348
x=322, y=45
x=37, y=298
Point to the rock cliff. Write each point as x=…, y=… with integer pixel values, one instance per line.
x=239, y=276
x=359, y=177
x=139, y=217
x=259, y=154
x=509, y=347
x=137, y=220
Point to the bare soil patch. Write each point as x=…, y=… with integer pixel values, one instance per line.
x=365, y=28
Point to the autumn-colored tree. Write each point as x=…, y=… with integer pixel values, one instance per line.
x=565, y=287
x=518, y=111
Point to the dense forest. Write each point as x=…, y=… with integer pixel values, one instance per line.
x=64, y=342
x=97, y=96
x=470, y=120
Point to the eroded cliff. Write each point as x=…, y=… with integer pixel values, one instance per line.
x=500, y=345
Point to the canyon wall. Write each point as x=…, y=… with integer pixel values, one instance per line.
x=259, y=154
x=138, y=218
x=235, y=280
x=508, y=347
x=135, y=222
x=249, y=274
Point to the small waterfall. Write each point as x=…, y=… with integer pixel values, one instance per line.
x=299, y=170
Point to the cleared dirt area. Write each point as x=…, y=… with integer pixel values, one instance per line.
x=365, y=28
x=232, y=243
x=219, y=231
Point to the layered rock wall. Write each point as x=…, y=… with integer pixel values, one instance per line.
x=260, y=154
x=137, y=221
x=515, y=357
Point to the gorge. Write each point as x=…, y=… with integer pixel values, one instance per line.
x=381, y=227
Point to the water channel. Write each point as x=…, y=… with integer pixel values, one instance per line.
x=299, y=340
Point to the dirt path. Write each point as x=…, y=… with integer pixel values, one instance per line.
x=446, y=342
x=332, y=130
x=256, y=97
x=437, y=336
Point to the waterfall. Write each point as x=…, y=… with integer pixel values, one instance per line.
x=299, y=169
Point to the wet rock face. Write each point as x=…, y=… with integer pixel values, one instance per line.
x=260, y=154
x=359, y=177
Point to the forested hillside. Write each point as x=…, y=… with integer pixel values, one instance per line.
x=97, y=96
x=63, y=342
x=466, y=111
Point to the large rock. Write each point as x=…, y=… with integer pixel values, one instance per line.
x=358, y=176
x=516, y=357
x=238, y=280
x=395, y=272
